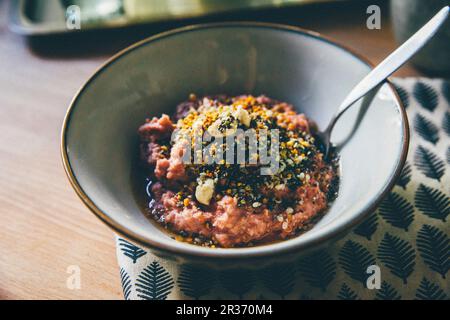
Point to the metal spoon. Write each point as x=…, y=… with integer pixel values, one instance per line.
x=388, y=66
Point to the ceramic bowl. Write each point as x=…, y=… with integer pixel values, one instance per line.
x=100, y=141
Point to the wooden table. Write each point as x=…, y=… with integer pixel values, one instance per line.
x=44, y=227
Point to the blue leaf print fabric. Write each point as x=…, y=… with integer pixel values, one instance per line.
x=407, y=237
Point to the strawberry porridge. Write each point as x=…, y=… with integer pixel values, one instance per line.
x=205, y=194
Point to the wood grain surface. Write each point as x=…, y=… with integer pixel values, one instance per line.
x=44, y=227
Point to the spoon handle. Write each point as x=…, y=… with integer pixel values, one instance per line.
x=395, y=60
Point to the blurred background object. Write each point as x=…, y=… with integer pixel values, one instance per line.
x=34, y=17
x=43, y=25
x=109, y=25
x=407, y=17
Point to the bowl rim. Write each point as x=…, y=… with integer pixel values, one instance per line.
x=240, y=253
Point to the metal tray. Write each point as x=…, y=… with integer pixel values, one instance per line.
x=47, y=17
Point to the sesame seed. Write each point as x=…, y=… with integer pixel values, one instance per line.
x=256, y=204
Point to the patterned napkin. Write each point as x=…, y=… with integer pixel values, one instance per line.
x=407, y=236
